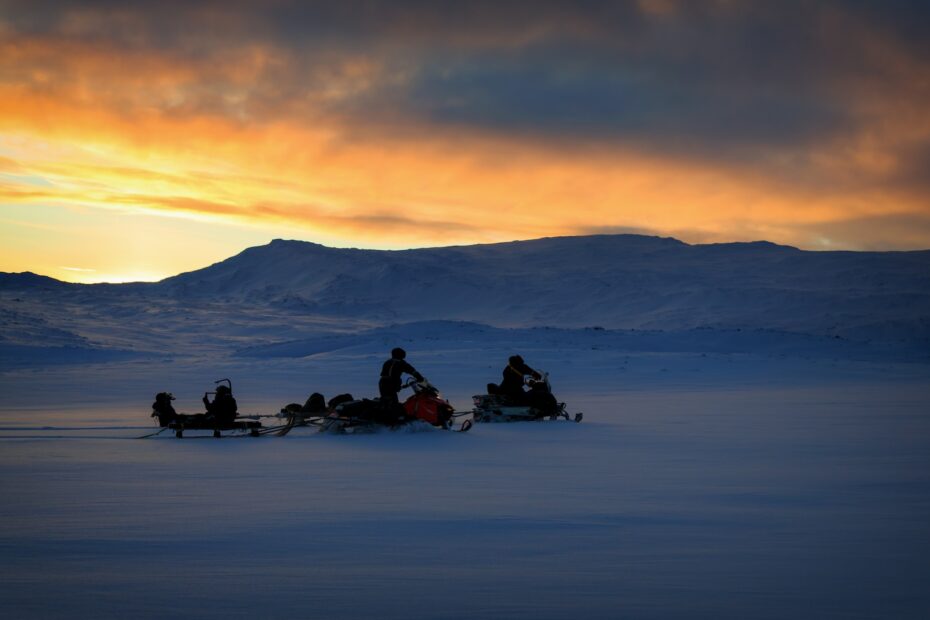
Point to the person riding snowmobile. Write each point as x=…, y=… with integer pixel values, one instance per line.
x=514, y=377
x=223, y=409
x=389, y=384
x=509, y=402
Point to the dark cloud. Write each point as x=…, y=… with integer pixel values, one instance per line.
x=913, y=173
x=740, y=80
x=907, y=21
x=557, y=92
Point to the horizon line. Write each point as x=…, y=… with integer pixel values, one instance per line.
x=120, y=281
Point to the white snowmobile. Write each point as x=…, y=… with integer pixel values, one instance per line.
x=537, y=403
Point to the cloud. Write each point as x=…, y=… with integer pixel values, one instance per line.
x=912, y=171
x=369, y=223
x=474, y=121
x=727, y=80
x=10, y=166
x=896, y=231
x=610, y=102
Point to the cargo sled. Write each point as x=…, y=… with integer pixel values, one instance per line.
x=221, y=417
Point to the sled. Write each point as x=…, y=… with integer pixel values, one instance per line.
x=216, y=424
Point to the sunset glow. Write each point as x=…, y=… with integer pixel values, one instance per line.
x=136, y=142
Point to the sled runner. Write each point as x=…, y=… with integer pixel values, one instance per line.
x=247, y=426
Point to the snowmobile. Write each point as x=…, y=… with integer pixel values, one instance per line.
x=169, y=419
x=343, y=415
x=538, y=403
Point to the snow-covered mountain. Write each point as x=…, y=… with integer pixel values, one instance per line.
x=292, y=298
x=612, y=281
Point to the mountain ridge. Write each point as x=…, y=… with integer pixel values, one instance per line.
x=7, y=277
x=614, y=281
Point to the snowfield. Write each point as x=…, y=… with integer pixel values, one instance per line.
x=777, y=467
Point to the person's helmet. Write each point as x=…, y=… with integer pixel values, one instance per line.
x=515, y=359
x=223, y=389
x=398, y=353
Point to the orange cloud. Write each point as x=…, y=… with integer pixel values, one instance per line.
x=450, y=189
x=226, y=135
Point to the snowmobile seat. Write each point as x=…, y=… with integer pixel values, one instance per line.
x=372, y=410
x=335, y=401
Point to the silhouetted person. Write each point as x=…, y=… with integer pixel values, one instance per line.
x=391, y=371
x=163, y=410
x=222, y=411
x=514, y=378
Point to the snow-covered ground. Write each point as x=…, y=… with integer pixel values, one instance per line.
x=698, y=486
x=757, y=447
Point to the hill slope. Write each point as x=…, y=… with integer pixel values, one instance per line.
x=615, y=281
x=611, y=281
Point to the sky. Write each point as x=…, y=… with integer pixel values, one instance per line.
x=140, y=139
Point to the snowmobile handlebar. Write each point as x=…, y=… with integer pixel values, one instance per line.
x=531, y=380
x=417, y=385
x=228, y=383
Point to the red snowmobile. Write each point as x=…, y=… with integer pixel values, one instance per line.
x=425, y=404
